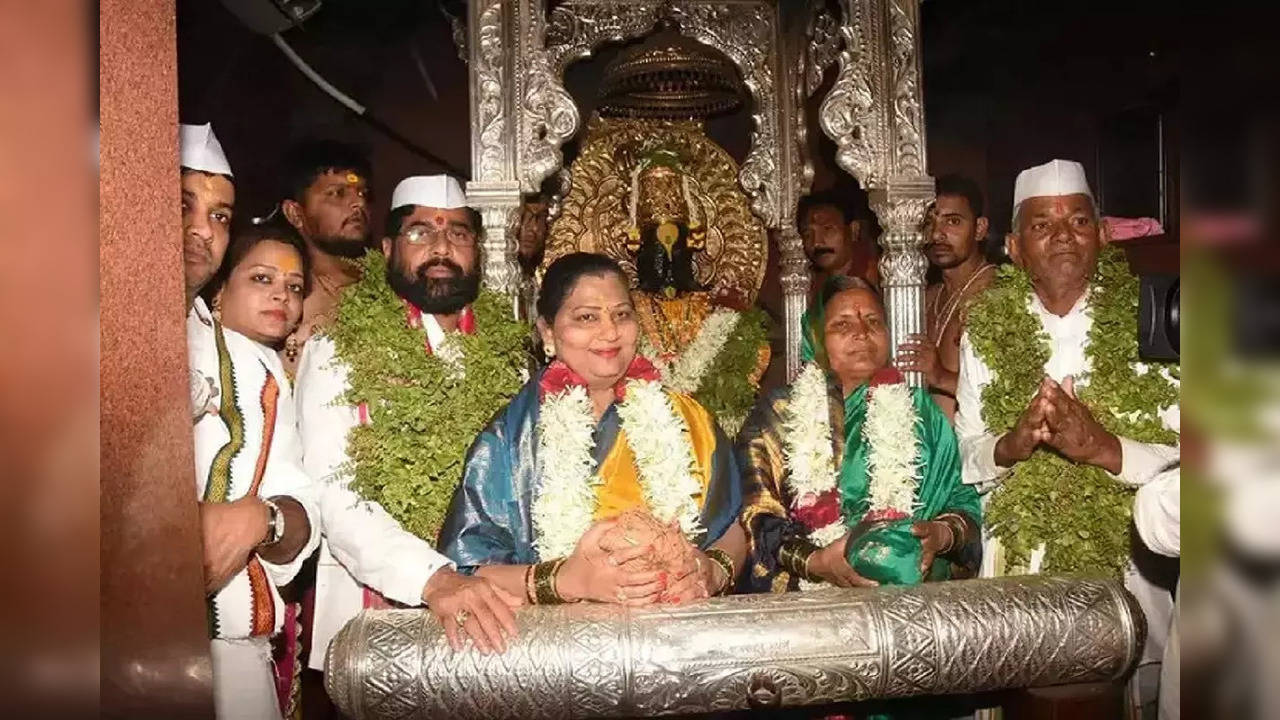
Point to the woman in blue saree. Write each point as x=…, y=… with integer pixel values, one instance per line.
x=817, y=509
x=595, y=483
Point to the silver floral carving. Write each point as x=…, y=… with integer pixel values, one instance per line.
x=550, y=118
x=743, y=31
x=850, y=114
x=743, y=652
x=823, y=50
x=908, y=155
x=575, y=30
x=489, y=93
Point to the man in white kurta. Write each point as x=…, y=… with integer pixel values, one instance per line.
x=366, y=549
x=256, y=506
x=1056, y=237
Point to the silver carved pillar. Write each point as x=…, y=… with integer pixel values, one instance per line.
x=745, y=651
x=875, y=115
x=903, y=265
x=494, y=189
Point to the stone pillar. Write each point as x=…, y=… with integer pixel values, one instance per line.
x=155, y=642
x=903, y=265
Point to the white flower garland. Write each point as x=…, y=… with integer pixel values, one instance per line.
x=811, y=467
x=685, y=373
x=892, y=460
x=566, y=501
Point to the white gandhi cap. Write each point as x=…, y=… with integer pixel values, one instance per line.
x=436, y=191
x=1056, y=177
x=200, y=150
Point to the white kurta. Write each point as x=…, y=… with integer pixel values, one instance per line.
x=244, y=685
x=363, y=544
x=1157, y=510
x=1140, y=462
x=282, y=472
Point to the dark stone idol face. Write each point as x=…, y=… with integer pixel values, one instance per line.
x=664, y=262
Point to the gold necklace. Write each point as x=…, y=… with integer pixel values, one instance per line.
x=953, y=302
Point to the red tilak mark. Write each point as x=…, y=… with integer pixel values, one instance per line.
x=439, y=220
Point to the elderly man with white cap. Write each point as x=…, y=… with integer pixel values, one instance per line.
x=1058, y=420
x=431, y=281
x=256, y=503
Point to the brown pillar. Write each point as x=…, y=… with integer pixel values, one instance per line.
x=155, y=649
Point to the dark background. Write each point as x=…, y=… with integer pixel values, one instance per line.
x=1007, y=84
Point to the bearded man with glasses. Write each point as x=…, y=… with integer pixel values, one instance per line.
x=389, y=396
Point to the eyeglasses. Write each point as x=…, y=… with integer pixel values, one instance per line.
x=458, y=237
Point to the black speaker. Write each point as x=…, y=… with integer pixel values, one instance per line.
x=271, y=16
x=1159, y=317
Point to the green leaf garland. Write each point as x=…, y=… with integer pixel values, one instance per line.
x=724, y=390
x=1078, y=512
x=425, y=413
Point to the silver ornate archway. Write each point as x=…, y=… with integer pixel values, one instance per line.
x=521, y=116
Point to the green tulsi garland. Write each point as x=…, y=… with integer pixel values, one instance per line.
x=725, y=391
x=425, y=413
x=1078, y=512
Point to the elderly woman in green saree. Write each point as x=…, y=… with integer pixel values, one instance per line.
x=852, y=478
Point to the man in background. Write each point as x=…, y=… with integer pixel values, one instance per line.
x=955, y=229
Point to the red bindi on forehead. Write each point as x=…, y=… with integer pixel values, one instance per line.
x=439, y=220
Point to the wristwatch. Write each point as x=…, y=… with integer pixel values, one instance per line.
x=275, y=523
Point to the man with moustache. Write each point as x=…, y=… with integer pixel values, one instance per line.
x=432, y=266
x=835, y=242
x=955, y=228
x=327, y=200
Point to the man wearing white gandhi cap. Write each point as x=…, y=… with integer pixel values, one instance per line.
x=257, y=518
x=208, y=199
x=1056, y=242
x=368, y=558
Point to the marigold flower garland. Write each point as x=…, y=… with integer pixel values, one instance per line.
x=565, y=503
x=893, y=457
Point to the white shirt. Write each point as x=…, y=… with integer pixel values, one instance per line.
x=1068, y=336
x=1156, y=512
x=364, y=544
x=277, y=450
x=1140, y=462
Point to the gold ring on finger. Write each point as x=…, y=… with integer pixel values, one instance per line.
x=461, y=617
x=622, y=596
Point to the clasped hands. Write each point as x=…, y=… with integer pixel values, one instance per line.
x=1056, y=417
x=600, y=573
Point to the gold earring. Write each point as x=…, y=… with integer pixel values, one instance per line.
x=550, y=350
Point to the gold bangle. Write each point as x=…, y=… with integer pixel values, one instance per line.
x=794, y=557
x=530, y=592
x=544, y=582
x=722, y=558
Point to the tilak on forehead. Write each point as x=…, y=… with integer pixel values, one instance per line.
x=283, y=257
x=353, y=178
